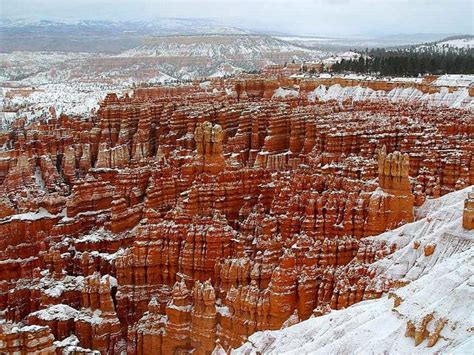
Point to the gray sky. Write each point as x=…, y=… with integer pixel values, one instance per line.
x=325, y=17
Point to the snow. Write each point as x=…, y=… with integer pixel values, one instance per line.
x=464, y=43
x=305, y=39
x=440, y=224
x=455, y=45
x=94, y=317
x=406, y=80
x=460, y=80
x=72, y=83
x=112, y=280
x=223, y=311
x=205, y=85
x=32, y=328
x=59, y=312
x=6, y=119
x=219, y=48
x=30, y=216
x=378, y=191
x=441, y=284
x=39, y=179
x=55, y=288
x=95, y=236
x=226, y=71
x=160, y=25
x=71, y=340
x=70, y=345
x=457, y=99
x=79, y=350
x=284, y=93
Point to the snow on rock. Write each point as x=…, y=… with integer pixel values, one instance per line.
x=72, y=99
x=283, y=93
x=459, y=80
x=71, y=340
x=406, y=80
x=218, y=47
x=70, y=345
x=60, y=312
x=54, y=288
x=457, y=99
x=205, y=85
x=441, y=287
x=440, y=225
x=6, y=119
x=226, y=71
x=30, y=216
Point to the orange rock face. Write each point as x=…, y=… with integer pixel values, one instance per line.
x=27, y=339
x=468, y=214
x=178, y=220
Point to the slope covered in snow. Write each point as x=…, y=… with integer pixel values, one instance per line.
x=457, y=99
x=440, y=286
x=464, y=43
x=450, y=44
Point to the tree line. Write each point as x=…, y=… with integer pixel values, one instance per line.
x=410, y=62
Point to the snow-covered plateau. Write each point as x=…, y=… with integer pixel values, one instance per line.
x=439, y=291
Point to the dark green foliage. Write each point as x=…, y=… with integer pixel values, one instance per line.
x=412, y=61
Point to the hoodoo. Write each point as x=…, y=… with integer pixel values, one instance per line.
x=392, y=204
x=468, y=216
x=187, y=220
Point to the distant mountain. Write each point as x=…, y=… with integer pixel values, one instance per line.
x=98, y=36
x=221, y=47
x=116, y=36
x=203, y=55
x=161, y=26
x=345, y=43
x=158, y=58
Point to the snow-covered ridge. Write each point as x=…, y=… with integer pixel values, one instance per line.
x=457, y=99
x=465, y=43
x=218, y=47
x=452, y=44
x=441, y=284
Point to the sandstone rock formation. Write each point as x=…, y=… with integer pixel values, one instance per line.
x=178, y=220
x=468, y=216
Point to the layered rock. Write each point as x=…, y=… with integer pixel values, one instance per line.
x=393, y=204
x=210, y=153
x=468, y=215
x=178, y=220
x=26, y=339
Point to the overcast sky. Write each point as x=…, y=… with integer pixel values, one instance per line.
x=325, y=17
